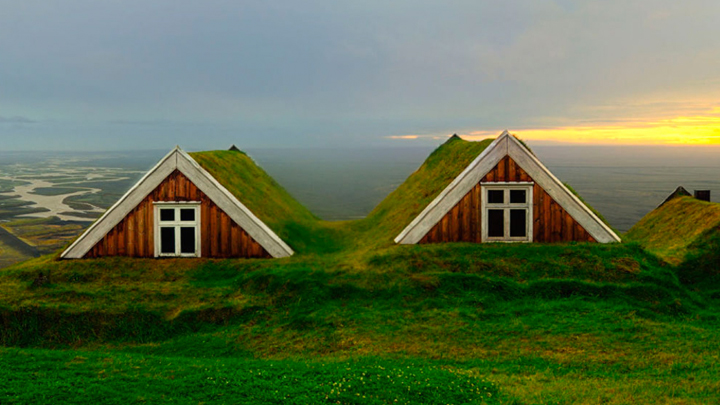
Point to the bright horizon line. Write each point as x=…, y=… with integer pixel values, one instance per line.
x=695, y=130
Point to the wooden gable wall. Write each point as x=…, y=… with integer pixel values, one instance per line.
x=463, y=223
x=220, y=236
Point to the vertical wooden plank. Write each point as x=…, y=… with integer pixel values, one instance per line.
x=179, y=187
x=537, y=219
x=213, y=231
x=171, y=186
x=557, y=222
x=150, y=224
x=479, y=197
x=163, y=190
x=467, y=216
x=249, y=245
x=160, y=193
x=244, y=250
x=547, y=218
x=130, y=231
x=225, y=228
x=578, y=232
x=473, y=217
x=512, y=171
x=113, y=238
x=205, y=227
x=501, y=169
x=568, y=227
x=461, y=221
x=193, y=192
x=107, y=243
x=444, y=229
x=455, y=221
x=234, y=240
x=141, y=229
x=120, y=242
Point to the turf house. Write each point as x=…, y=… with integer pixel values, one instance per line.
x=506, y=195
x=189, y=205
x=681, y=227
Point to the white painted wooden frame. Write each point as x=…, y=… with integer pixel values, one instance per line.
x=505, y=145
x=177, y=159
x=177, y=223
x=506, y=206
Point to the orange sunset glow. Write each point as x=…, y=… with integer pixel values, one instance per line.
x=700, y=129
x=690, y=130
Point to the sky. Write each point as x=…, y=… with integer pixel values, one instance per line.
x=138, y=74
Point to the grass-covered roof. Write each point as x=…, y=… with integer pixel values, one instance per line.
x=256, y=189
x=295, y=224
x=670, y=230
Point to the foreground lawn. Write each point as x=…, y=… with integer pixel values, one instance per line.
x=453, y=324
x=42, y=376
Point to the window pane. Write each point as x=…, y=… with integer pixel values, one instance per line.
x=187, y=240
x=167, y=214
x=518, y=223
x=518, y=196
x=496, y=223
x=496, y=196
x=187, y=214
x=167, y=240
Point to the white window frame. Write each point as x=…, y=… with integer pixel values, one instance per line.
x=506, y=206
x=177, y=224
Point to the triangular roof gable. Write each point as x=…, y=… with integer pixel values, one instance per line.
x=505, y=145
x=177, y=159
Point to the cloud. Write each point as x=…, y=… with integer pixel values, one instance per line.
x=318, y=72
x=16, y=120
x=404, y=136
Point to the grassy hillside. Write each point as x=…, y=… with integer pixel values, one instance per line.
x=575, y=323
x=670, y=230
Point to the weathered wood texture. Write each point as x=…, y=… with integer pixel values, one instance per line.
x=463, y=223
x=220, y=235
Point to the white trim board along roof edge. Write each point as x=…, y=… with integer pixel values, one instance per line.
x=505, y=145
x=205, y=182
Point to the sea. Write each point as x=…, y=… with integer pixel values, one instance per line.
x=622, y=182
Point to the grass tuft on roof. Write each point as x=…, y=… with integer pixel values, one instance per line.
x=670, y=230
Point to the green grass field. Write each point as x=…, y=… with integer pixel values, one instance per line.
x=554, y=324
x=354, y=319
